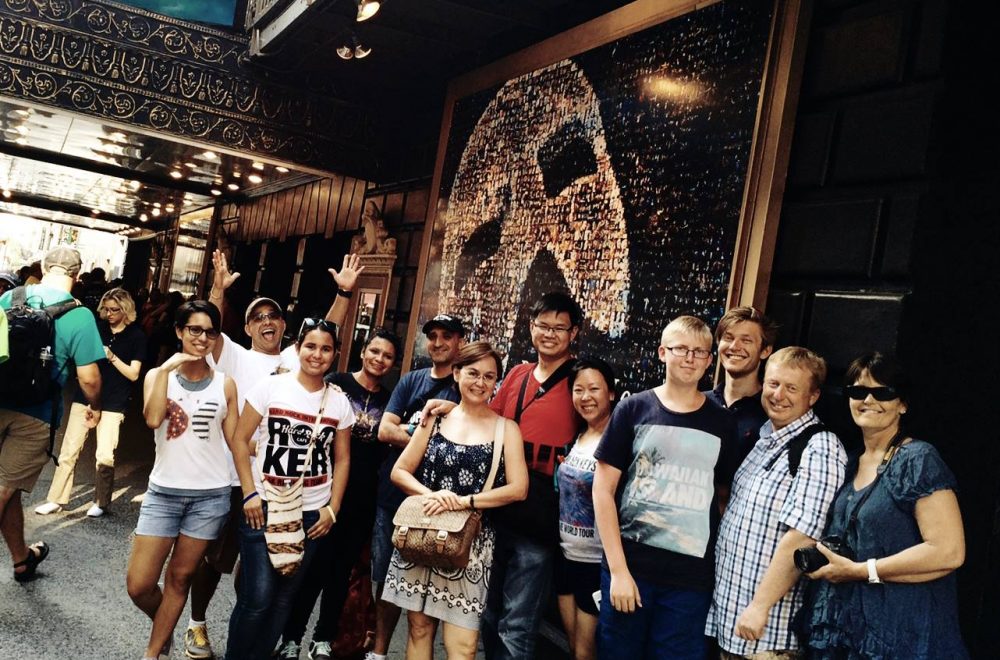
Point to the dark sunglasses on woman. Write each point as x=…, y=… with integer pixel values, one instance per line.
x=861, y=392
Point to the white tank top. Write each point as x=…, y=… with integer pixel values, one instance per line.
x=191, y=452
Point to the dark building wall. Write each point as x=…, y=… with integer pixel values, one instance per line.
x=889, y=232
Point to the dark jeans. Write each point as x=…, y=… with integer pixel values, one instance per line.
x=670, y=625
x=519, y=585
x=329, y=573
x=265, y=598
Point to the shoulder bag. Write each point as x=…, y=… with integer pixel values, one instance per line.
x=443, y=540
x=284, y=532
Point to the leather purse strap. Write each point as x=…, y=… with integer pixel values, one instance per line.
x=315, y=431
x=497, y=451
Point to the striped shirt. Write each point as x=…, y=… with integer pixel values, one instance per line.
x=766, y=502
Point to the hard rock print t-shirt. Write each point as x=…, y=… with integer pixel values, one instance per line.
x=283, y=439
x=672, y=464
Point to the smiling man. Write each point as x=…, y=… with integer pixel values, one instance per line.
x=779, y=502
x=265, y=325
x=746, y=338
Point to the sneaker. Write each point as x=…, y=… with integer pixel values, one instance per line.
x=47, y=508
x=289, y=651
x=320, y=651
x=196, y=644
x=95, y=511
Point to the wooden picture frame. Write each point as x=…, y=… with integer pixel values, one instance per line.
x=766, y=159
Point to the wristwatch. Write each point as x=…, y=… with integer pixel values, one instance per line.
x=873, y=577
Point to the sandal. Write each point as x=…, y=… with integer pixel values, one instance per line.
x=37, y=552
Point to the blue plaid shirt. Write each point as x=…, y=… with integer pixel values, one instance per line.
x=764, y=504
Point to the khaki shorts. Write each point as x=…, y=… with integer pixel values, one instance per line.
x=24, y=443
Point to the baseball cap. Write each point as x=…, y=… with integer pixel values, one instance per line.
x=10, y=278
x=446, y=321
x=64, y=257
x=257, y=302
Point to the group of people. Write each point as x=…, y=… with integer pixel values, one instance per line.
x=672, y=523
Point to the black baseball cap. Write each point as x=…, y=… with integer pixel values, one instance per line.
x=446, y=321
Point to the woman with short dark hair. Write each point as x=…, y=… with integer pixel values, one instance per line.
x=889, y=590
x=192, y=410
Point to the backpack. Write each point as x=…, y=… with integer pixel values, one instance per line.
x=29, y=377
x=796, y=446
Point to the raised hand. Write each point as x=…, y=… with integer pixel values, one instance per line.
x=348, y=274
x=176, y=360
x=222, y=278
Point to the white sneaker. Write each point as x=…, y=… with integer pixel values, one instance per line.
x=95, y=511
x=47, y=508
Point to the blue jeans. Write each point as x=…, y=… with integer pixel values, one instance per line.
x=265, y=598
x=669, y=625
x=519, y=585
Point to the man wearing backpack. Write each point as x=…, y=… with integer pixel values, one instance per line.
x=24, y=428
x=779, y=502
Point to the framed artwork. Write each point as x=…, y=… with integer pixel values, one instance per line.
x=635, y=162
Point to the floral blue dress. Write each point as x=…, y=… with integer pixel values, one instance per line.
x=855, y=620
x=455, y=596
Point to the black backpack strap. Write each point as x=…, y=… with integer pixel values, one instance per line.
x=18, y=296
x=795, y=447
x=556, y=377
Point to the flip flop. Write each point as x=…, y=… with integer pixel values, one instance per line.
x=31, y=563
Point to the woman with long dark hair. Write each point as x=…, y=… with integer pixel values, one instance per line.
x=192, y=409
x=296, y=419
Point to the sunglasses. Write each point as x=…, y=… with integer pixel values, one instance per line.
x=197, y=331
x=266, y=316
x=310, y=324
x=861, y=392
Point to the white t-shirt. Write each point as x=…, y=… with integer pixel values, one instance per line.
x=191, y=451
x=247, y=367
x=288, y=413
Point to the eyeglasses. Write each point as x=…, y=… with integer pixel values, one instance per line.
x=554, y=329
x=684, y=351
x=266, y=316
x=861, y=392
x=197, y=331
x=112, y=310
x=310, y=324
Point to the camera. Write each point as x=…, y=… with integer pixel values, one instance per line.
x=809, y=558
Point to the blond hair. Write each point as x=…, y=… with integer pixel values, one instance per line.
x=124, y=300
x=688, y=325
x=801, y=358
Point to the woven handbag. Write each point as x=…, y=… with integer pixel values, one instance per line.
x=284, y=532
x=443, y=540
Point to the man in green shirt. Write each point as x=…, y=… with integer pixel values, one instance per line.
x=24, y=431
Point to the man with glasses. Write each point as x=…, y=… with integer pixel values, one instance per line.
x=538, y=398
x=265, y=325
x=780, y=498
x=745, y=338
x=664, y=467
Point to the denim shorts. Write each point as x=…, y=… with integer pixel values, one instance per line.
x=198, y=514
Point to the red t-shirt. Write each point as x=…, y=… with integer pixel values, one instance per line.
x=548, y=423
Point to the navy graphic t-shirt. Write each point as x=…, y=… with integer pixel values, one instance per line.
x=672, y=466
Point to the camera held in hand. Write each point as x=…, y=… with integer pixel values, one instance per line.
x=809, y=558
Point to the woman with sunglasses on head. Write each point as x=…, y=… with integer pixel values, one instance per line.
x=304, y=430
x=889, y=590
x=192, y=409
x=449, y=463
x=578, y=568
x=125, y=348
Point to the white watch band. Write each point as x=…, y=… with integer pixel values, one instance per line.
x=873, y=577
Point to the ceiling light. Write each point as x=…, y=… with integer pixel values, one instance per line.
x=345, y=52
x=118, y=136
x=95, y=211
x=191, y=165
x=210, y=155
x=156, y=205
x=143, y=217
x=134, y=185
x=233, y=186
x=176, y=174
x=22, y=129
x=170, y=208
x=7, y=194
x=255, y=178
x=22, y=112
x=21, y=140
x=257, y=165
x=155, y=212
x=352, y=49
x=237, y=174
x=361, y=52
x=367, y=9
x=281, y=169
x=216, y=192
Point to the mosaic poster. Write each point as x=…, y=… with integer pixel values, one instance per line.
x=616, y=175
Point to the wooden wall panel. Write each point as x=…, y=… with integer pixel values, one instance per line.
x=323, y=206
